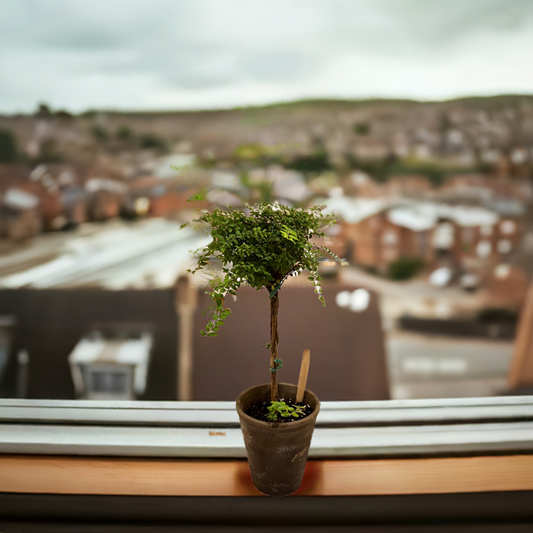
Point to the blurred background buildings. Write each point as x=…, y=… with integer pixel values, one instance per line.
x=433, y=196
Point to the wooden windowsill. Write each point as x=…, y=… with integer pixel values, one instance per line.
x=184, y=477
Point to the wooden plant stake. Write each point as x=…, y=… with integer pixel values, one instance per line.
x=302, y=381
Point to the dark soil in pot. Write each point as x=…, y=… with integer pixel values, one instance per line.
x=277, y=452
x=259, y=411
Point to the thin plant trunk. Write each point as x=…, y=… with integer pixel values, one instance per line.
x=274, y=341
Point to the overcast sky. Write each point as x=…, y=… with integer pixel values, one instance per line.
x=182, y=54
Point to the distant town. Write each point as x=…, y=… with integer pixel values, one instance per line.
x=433, y=199
x=416, y=184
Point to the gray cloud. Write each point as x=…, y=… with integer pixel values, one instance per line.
x=137, y=53
x=407, y=26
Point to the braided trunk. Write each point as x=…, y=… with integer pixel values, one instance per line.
x=274, y=341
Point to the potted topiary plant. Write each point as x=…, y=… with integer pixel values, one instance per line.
x=262, y=247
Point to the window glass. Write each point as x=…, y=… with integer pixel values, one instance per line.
x=114, y=116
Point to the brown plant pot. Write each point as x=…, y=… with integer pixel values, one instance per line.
x=277, y=452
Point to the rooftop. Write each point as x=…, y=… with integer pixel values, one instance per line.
x=146, y=254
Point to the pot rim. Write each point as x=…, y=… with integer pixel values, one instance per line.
x=278, y=425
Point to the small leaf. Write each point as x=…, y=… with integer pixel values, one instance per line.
x=197, y=198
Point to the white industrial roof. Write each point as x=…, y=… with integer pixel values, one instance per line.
x=414, y=215
x=425, y=215
x=146, y=254
x=469, y=216
x=413, y=219
x=353, y=210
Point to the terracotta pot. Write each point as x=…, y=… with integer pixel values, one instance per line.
x=277, y=452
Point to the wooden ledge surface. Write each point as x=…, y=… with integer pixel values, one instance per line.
x=170, y=477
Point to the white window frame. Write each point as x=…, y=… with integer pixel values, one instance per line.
x=402, y=428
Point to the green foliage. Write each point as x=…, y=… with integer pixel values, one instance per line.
x=248, y=151
x=181, y=168
x=43, y=111
x=434, y=172
x=99, y=133
x=251, y=155
x=63, y=114
x=382, y=169
x=199, y=197
x=277, y=409
x=151, y=140
x=261, y=248
x=361, y=128
x=89, y=114
x=289, y=234
x=318, y=162
x=8, y=147
x=124, y=133
x=405, y=268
